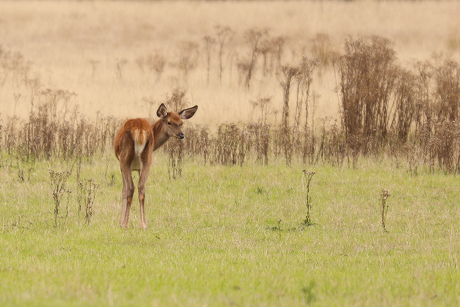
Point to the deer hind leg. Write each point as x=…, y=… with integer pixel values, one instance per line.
x=127, y=195
x=143, y=176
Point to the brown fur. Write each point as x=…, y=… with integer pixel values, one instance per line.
x=138, y=156
x=128, y=129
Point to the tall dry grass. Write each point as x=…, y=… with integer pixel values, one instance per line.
x=115, y=55
x=266, y=93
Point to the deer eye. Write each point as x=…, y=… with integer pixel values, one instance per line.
x=169, y=123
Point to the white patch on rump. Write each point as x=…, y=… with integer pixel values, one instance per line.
x=140, y=139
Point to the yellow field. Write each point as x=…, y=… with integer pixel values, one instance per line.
x=77, y=46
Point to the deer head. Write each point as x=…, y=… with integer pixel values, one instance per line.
x=172, y=121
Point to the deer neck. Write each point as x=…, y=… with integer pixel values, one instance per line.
x=159, y=136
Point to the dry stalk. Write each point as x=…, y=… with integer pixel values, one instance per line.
x=86, y=195
x=58, y=182
x=384, y=197
x=307, y=177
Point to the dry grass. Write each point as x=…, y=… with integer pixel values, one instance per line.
x=93, y=49
x=67, y=68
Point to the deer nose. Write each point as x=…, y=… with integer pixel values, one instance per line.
x=181, y=136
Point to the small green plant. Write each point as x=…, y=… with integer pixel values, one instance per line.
x=276, y=228
x=384, y=197
x=58, y=183
x=310, y=297
x=307, y=177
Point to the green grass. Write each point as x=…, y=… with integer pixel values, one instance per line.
x=214, y=238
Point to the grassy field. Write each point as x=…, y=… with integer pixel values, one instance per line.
x=223, y=236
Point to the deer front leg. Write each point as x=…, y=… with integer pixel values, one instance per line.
x=143, y=176
x=127, y=196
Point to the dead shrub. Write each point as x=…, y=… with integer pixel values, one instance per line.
x=367, y=76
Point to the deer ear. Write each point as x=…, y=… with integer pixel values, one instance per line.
x=162, y=112
x=187, y=113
